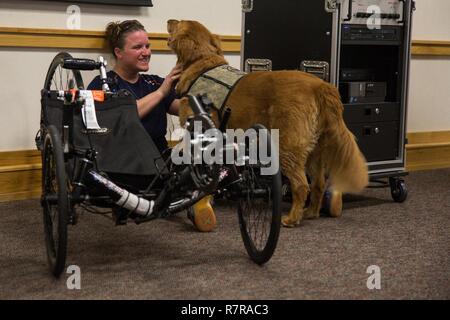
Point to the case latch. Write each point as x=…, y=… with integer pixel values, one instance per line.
x=331, y=5
x=258, y=65
x=320, y=69
x=247, y=6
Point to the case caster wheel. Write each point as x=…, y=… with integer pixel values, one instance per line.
x=399, y=191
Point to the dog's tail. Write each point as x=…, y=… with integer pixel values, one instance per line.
x=345, y=163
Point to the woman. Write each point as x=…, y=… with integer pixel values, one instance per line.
x=155, y=96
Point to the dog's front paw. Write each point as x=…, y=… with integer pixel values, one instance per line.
x=288, y=222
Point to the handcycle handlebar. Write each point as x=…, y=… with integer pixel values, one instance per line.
x=80, y=64
x=88, y=64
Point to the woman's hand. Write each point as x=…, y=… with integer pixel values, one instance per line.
x=150, y=101
x=170, y=80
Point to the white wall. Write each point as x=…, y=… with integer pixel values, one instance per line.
x=221, y=16
x=429, y=92
x=22, y=71
x=431, y=20
x=429, y=95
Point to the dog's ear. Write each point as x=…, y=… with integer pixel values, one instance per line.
x=172, y=25
x=215, y=42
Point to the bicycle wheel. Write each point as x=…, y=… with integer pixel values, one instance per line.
x=55, y=201
x=259, y=205
x=58, y=78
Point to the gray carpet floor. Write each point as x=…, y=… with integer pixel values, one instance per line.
x=325, y=258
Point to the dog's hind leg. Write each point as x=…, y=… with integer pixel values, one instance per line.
x=299, y=190
x=316, y=172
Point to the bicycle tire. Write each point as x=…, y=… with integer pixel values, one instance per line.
x=253, y=224
x=55, y=213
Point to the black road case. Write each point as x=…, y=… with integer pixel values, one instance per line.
x=362, y=47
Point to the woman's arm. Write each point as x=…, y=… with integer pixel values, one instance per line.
x=174, y=107
x=150, y=101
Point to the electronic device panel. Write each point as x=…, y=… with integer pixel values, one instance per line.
x=372, y=12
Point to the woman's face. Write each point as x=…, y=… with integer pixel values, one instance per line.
x=136, y=53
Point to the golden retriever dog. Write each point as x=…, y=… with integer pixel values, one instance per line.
x=308, y=112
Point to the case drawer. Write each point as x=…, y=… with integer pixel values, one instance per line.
x=373, y=112
x=377, y=141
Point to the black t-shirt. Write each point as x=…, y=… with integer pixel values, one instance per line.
x=154, y=122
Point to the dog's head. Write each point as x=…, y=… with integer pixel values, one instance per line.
x=191, y=41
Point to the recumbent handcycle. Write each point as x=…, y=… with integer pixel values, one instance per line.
x=117, y=166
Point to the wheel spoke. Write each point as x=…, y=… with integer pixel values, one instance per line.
x=60, y=77
x=67, y=79
x=54, y=82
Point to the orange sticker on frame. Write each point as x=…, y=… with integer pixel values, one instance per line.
x=98, y=95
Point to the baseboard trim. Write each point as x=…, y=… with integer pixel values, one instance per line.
x=23, y=195
x=20, y=171
x=20, y=175
x=428, y=150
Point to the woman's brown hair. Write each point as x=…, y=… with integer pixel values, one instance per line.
x=116, y=33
